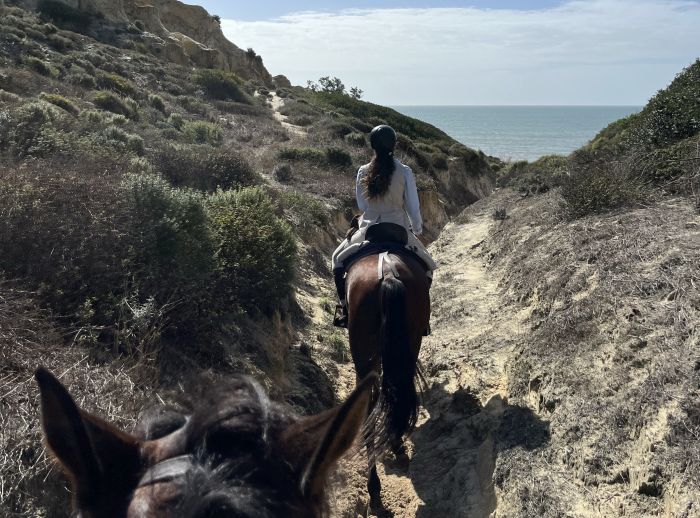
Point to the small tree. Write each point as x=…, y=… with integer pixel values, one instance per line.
x=332, y=85
x=217, y=18
x=356, y=93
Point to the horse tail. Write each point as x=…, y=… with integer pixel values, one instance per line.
x=398, y=391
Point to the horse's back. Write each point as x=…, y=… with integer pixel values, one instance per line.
x=364, y=305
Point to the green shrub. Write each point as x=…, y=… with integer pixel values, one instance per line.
x=192, y=105
x=204, y=168
x=255, y=250
x=202, y=132
x=356, y=139
x=221, y=85
x=64, y=230
x=29, y=130
x=302, y=153
x=82, y=79
x=282, y=172
x=157, y=102
x=439, y=161
x=113, y=103
x=94, y=116
x=539, y=176
x=127, y=141
x=9, y=97
x=116, y=83
x=338, y=157
x=303, y=210
x=176, y=120
x=59, y=42
x=597, y=184
x=40, y=66
x=60, y=101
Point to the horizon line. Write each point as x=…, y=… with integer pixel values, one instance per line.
x=515, y=105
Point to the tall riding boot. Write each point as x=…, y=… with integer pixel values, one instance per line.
x=341, y=310
x=428, y=331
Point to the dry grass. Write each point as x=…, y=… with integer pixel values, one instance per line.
x=611, y=357
x=29, y=484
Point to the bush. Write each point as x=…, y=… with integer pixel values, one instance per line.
x=116, y=83
x=202, y=132
x=113, y=103
x=302, y=153
x=221, y=85
x=356, y=139
x=597, y=184
x=40, y=66
x=192, y=105
x=176, y=121
x=82, y=79
x=255, y=250
x=303, y=210
x=338, y=157
x=204, y=168
x=59, y=42
x=127, y=141
x=29, y=130
x=282, y=172
x=64, y=230
x=60, y=101
x=157, y=102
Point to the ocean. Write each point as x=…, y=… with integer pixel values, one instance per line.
x=520, y=132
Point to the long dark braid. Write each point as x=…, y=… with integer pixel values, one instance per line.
x=379, y=172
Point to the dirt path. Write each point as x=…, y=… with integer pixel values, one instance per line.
x=277, y=102
x=452, y=451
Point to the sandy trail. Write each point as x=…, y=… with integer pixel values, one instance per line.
x=277, y=103
x=452, y=452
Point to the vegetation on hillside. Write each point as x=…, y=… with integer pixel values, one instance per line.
x=655, y=150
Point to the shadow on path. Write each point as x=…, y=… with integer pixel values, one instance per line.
x=455, y=451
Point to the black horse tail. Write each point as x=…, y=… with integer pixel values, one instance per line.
x=399, y=399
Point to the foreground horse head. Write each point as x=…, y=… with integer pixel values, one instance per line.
x=237, y=455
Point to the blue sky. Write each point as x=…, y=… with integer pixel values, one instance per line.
x=268, y=10
x=575, y=52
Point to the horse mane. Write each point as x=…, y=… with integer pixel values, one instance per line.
x=241, y=467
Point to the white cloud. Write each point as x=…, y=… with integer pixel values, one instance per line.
x=582, y=52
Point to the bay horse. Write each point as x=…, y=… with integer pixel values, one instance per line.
x=388, y=314
x=237, y=454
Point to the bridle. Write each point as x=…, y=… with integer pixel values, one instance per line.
x=167, y=470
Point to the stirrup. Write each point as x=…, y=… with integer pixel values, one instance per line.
x=340, y=319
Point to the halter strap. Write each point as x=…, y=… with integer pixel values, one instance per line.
x=166, y=470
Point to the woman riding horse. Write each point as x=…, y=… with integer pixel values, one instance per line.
x=386, y=192
x=388, y=304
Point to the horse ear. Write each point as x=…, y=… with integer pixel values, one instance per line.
x=85, y=445
x=339, y=435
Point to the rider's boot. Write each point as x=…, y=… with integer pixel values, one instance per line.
x=341, y=310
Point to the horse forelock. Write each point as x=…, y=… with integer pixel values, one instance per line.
x=239, y=466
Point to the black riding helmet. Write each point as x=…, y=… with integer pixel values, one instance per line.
x=383, y=137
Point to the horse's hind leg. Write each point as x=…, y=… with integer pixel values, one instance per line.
x=374, y=487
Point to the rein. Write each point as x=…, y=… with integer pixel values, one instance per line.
x=167, y=470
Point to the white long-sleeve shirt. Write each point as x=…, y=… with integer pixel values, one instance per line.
x=400, y=204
